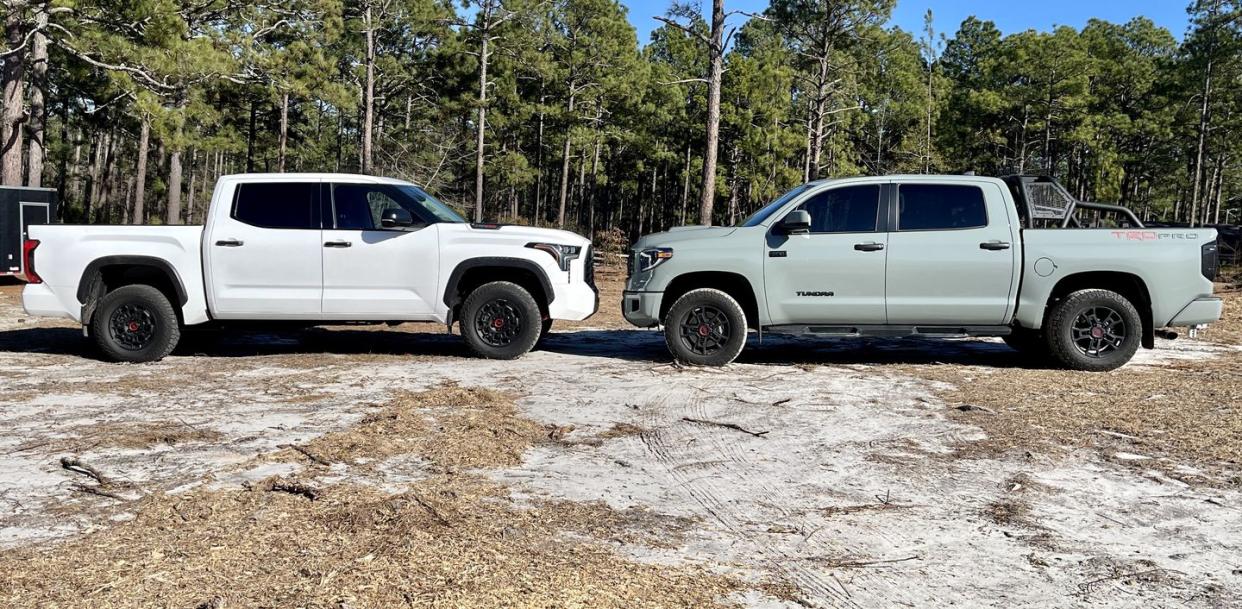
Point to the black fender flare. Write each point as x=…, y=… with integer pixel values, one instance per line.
x=90, y=286
x=451, y=299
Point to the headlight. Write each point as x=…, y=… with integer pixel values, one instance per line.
x=564, y=254
x=652, y=257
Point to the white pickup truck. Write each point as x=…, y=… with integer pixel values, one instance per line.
x=315, y=249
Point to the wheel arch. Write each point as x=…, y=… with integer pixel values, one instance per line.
x=1128, y=285
x=474, y=272
x=108, y=273
x=733, y=284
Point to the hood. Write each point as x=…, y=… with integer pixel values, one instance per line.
x=530, y=233
x=683, y=234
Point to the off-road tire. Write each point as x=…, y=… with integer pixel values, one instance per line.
x=135, y=323
x=512, y=314
x=1069, y=327
x=544, y=330
x=705, y=327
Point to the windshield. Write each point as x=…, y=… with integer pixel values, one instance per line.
x=766, y=211
x=432, y=206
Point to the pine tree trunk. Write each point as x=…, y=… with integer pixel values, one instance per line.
x=685, y=186
x=369, y=90
x=560, y=215
x=14, y=102
x=189, y=192
x=140, y=180
x=38, y=103
x=173, y=213
x=481, y=126
x=284, y=138
x=714, y=76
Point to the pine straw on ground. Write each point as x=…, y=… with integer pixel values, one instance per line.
x=1188, y=410
x=141, y=434
x=450, y=426
x=450, y=540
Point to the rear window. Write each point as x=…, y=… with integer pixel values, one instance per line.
x=940, y=207
x=278, y=204
x=851, y=209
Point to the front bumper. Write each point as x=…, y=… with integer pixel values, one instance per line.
x=642, y=308
x=575, y=301
x=1200, y=311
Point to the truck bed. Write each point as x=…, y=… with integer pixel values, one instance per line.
x=65, y=252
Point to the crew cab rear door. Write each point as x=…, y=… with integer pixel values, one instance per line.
x=952, y=257
x=834, y=274
x=264, y=252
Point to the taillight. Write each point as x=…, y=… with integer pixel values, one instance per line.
x=1210, y=262
x=28, y=249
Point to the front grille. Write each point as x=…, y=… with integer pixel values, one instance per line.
x=588, y=266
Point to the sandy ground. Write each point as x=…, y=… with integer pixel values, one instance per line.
x=829, y=468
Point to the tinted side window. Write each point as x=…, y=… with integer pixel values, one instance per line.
x=851, y=209
x=940, y=207
x=360, y=206
x=278, y=205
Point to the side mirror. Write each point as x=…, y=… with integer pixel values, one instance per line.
x=396, y=218
x=796, y=222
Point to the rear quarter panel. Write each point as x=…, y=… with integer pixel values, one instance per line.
x=65, y=251
x=1168, y=261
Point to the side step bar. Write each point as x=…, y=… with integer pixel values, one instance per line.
x=887, y=331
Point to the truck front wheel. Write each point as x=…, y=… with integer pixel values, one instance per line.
x=501, y=320
x=1093, y=330
x=705, y=327
x=135, y=323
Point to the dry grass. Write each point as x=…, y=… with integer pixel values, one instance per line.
x=136, y=434
x=1189, y=410
x=447, y=541
x=451, y=426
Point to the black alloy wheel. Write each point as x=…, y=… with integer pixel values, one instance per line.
x=499, y=322
x=132, y=326
x=1097, y=331
x=706, y=330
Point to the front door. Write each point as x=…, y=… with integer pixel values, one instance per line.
x=834, y=274
x=952, y=259
x=374, y=273
x=266, y=257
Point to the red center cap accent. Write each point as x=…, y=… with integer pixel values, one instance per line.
x=133, y=326
x=1097, y=332
x=499, y=322
x=704, y=329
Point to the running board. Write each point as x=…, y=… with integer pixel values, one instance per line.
x=881, y=330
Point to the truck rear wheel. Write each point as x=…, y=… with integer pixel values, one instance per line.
x=705, y=327
x=1093, y=330
x=135, y=323
x=501, y=320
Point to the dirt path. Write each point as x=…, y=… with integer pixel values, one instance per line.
x=821, y=466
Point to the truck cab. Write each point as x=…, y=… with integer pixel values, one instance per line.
x=920, y=255
x=314, y=249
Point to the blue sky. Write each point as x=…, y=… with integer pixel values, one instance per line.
x=1009, y=15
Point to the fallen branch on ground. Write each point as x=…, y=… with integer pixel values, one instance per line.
x=95, y=490
x=308, y=454
x=734, y=426
x=76, y=466
x=431, y=510
x=294, y=488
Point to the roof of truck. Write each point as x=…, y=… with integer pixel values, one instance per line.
x=332, y=177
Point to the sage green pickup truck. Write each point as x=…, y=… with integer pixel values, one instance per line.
x=939, y=256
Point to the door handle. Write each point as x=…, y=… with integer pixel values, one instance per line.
x=230, y=243
x=337, y=244
x=994, y=245
x=868, y=247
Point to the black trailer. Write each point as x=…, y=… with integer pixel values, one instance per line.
x=19, y=208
